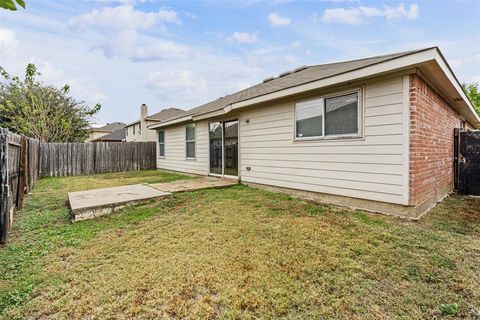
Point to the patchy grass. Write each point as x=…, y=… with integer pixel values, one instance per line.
x=238, y=253
x=43, y=226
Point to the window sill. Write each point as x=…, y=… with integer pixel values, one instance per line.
x=191, y=159
x=329, y=138
x=161, y=157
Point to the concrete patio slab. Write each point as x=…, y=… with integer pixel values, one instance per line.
x=98, y=202
x=194, y=184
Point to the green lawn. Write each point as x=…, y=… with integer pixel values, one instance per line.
x=236, y=253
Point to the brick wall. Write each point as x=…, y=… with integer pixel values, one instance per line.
x=432, y=121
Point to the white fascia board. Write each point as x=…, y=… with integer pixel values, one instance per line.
x=387, y=66
x=168, y=123
x=448, y=72
x=132, y=123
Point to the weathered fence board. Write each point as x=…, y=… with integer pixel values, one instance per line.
x=468, y=162
x=24, y=160
x=72, y=159
x=4, y=186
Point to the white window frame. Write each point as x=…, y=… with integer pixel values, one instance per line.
x=159, y=143
x=190, y=141
x=322, y=99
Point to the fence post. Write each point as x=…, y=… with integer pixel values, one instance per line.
x=4, y=209
x=22, y=177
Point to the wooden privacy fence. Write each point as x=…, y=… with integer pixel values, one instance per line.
x=24, y=160
x=74, y=159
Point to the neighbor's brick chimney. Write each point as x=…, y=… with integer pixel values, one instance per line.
x=143, y=111
x=143, y=121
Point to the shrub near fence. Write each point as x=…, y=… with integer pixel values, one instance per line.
x=24, y=160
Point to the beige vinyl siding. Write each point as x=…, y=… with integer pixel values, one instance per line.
x=145, y=134
x=175, y=153
x=369, y=168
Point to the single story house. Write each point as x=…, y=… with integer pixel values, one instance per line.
x=374, y=133
x=138, y=130
x=98, y=132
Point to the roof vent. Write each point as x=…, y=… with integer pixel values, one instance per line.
x=268, y=79
x=300, y=68
x=283, y=74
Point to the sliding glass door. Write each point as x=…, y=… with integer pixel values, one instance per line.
x=224, y=148
x=216, y=147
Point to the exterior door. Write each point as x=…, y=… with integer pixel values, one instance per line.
x=224, y=148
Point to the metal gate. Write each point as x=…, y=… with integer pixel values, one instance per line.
x=467, y=162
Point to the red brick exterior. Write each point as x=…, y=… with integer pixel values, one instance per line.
x=432, y=121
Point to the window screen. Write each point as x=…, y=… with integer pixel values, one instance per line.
x=309, y=119
x=161, y=143
x=341, y=114
x=190, y=140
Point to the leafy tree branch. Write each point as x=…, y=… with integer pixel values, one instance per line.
x=12, y=4
x=42, y=111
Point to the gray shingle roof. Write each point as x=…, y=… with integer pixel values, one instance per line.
x=111, y=127
x=305, y=75
x=117, y=135
x=166, y=114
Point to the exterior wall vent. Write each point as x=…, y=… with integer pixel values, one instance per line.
x=300, y=68
x=268, y=79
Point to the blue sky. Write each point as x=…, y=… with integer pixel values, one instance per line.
x=185, y=53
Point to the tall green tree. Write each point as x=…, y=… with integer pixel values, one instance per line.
x=42, y=111
x=471, y=89
x=12, y=4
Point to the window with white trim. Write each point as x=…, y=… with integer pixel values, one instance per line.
x=161, y=143
x=330, y=116
x=190, y=141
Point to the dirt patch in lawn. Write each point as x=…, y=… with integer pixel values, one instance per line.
x=248, y=253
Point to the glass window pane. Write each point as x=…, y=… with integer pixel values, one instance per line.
x=230, y=141
x=309, y=119
x=161, y=150
x=191, y=149
x=190, y=132
x=341, y=114
x=161, y=136
x=216, y=156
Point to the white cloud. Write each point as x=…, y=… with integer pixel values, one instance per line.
x=296, y=44
x=123, y=17
x=176, y=81
x=276, y=20
x=15, y=57
x=243, y=37
x=8, y=44
x=358, y=15
x=129, y=44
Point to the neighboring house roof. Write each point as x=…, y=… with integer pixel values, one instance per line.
x=161, y=116
x=310, y=77
x=110, y=127
x=165, y=114
x=117, y=135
